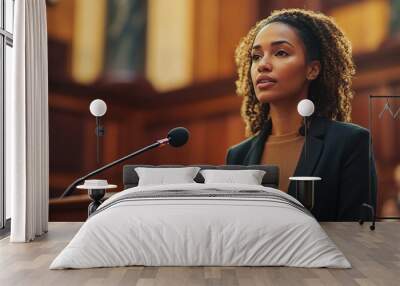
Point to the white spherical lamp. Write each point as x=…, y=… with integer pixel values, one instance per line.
x=98, y=107
x=305, y=107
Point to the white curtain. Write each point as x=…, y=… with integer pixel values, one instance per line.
x=27, y=143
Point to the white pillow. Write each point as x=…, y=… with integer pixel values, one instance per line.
x=248, y=177
x=163, y=176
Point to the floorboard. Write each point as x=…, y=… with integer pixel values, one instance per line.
x=374, y=255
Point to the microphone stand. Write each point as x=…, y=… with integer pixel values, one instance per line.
x=71, y=187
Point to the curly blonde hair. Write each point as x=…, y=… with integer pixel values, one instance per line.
x=331, y=91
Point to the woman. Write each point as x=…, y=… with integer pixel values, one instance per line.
x=293, y=55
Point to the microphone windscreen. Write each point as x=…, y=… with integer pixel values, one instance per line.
x=178, y=136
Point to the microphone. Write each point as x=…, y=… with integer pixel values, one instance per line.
x=176, y=137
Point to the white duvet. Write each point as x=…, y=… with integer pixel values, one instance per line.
x=185, y=231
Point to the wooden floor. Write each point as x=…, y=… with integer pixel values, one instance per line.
x=375, y=256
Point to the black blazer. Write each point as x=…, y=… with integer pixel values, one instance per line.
x=338, y=153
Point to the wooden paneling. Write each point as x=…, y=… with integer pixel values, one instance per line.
x=369, y=17
x=88, y=40
x=66, y=132
x=170, y=39
x=231, y=29
x=218, y=30
x=205, y=48
x=60, y=20
x=57, y=50
x=266, y=7
x=332, y=4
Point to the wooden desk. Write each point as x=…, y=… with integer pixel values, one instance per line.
x=374, y=255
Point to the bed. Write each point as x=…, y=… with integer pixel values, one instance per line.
x=201, y=224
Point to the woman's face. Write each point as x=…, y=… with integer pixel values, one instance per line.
x=279, y=70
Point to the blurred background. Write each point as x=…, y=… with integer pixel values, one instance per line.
x=160, y=64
